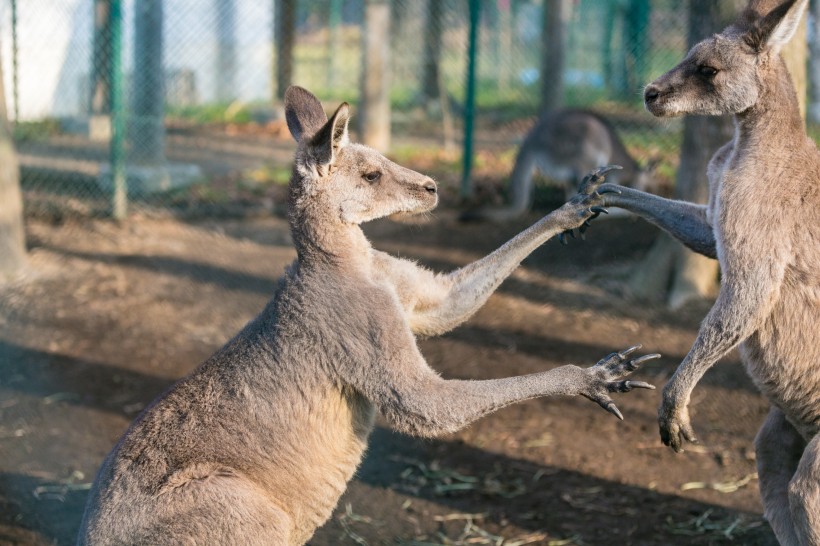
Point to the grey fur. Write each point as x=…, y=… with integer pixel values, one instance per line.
x=564, y=146
x=258, y=443
x=762, y=224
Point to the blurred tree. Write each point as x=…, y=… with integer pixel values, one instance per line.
x=334, y=42
x=552, y=54
x=226, y=50
x=12, y=236
x=374, y=109
x=99, y=107
x=284, y=37
x=796, y=54
x=814, y=62
x=430, y=65
x=147, y=129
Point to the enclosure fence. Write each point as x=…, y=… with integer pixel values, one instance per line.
x=176, y=104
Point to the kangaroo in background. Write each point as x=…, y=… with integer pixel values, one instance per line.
x=564, y=146
x=257, y=445
x=762, y=223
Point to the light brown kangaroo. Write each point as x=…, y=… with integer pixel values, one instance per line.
x=762, y=223
x=258, y=443
x=564, y=146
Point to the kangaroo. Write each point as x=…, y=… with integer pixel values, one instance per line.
x=564, y=146
x=761, y=223
x=257, y=445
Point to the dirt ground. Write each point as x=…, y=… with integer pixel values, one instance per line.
x=108, y=316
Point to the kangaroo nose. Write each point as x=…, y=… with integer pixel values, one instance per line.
x=430, y=186
x=651, y=94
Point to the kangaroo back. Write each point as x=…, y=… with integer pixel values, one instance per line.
x=564, y=146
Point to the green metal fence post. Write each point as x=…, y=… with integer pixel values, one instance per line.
x=117, y=146
x=469, y=106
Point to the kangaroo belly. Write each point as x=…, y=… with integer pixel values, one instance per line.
x=783, y=357
x=328, y=450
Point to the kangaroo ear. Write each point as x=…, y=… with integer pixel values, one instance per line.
x=332, y=137
x=303, y=112
x=775, y=29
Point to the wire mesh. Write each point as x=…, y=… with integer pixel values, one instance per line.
x=203, y=80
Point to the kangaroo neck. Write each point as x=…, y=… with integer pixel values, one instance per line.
x=324, y=244
x=774, y=121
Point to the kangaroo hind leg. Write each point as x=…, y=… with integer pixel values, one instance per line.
x=778, y=448
x=804, y=496
x=222, y=510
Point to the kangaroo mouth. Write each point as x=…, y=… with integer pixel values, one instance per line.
x=416, y=211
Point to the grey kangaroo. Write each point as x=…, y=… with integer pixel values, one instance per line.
x=564, y=146
x=259, y=442
x=762, y=223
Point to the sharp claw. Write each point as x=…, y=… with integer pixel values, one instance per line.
x=562, y=239
x=599, y=210
x=610, y=407
x=626, y=352
x=641, y=385
x=600, y=191
x=644, y=358
x=586, y=224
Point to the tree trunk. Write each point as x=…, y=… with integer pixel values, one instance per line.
x=814, y=63
x=374, y=112
x=100, y=99
x=334, y=23
x=671, y=272
x=226, y=50
x=147, y=131
x=552, y=55
x=795, y=54
x=285, y=36
x=432, y=51
x=12, y=237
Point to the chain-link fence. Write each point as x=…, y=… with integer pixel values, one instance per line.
x=176, y=102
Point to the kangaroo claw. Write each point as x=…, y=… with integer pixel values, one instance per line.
x=599, y=210
x=644, y=358
x=562, y=238
x=603, y=171
x=611, y=408
x=626, y=352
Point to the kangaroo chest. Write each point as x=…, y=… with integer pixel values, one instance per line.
x=754, y=229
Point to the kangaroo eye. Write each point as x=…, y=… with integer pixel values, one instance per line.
x=707, y=71
x=372, y=177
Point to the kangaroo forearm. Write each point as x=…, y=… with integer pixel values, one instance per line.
x=472, y=285
x=438, y=406
x=732, y=319
x=684, y=221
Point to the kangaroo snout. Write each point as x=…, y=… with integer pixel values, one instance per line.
x=430, y=186
x=651, y=94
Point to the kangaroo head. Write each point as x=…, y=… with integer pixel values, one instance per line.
x=345, y=182
x=726, y=73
